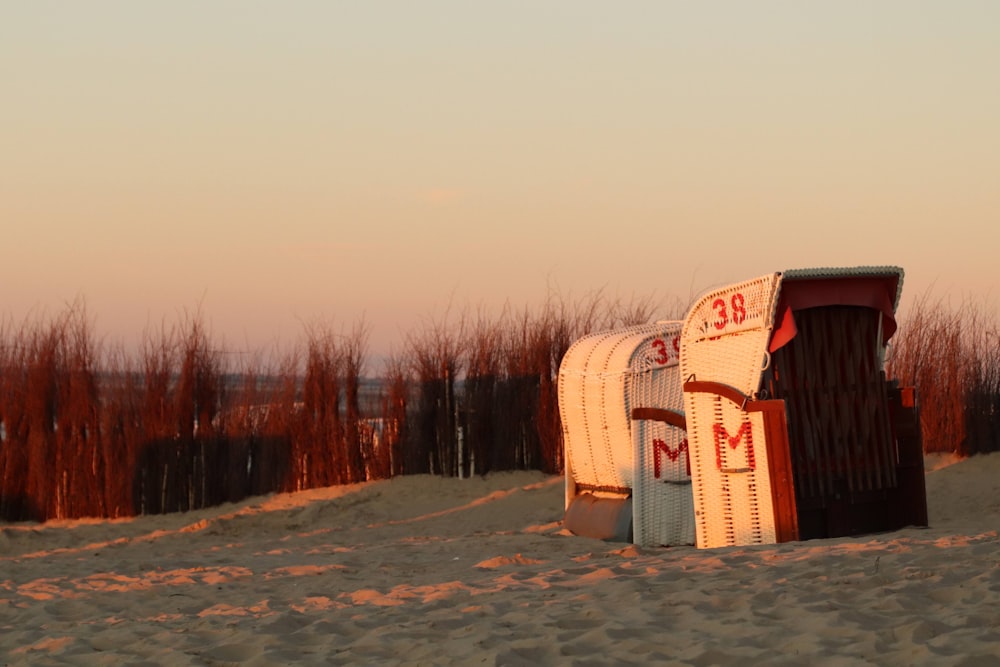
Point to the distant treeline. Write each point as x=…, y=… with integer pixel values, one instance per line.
x=88, y=430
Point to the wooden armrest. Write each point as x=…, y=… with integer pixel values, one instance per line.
x=746, y=403
x=671, y=417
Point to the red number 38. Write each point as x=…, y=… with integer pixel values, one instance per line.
x=736, y=312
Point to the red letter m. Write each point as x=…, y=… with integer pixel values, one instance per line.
x=659, y=446
x=722, y=438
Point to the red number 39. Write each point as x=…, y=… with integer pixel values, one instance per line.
x=662, y=353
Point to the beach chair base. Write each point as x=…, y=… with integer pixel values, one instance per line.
x=603, y=518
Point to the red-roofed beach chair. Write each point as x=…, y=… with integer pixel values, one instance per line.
x=627, y=475
x=794, y=431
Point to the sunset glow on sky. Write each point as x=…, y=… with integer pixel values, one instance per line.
x=274, y=164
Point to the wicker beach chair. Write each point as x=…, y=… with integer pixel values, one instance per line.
x=627, y=471
x=794, y=431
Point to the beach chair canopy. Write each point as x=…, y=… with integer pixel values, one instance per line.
x=875, y=288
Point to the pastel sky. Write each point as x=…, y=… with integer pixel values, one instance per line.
x=281, y=163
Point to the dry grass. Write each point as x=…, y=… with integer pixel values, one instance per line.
x=952, y=356
x=89, y=430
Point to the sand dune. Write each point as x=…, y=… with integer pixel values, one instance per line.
x=424, y=570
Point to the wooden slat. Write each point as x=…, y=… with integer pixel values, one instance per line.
x=779, y=461
x=835, y=394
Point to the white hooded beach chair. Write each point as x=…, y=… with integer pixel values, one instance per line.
x=794, y=431
x=626, y=465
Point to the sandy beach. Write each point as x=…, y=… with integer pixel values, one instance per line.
x=430, y=571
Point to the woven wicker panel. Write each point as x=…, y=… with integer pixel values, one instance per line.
x=725, y=340
x=654, y=379
x=584, y=377
x=732, y=489
x=662, y=506
x=597, y=379
x=726, y=334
